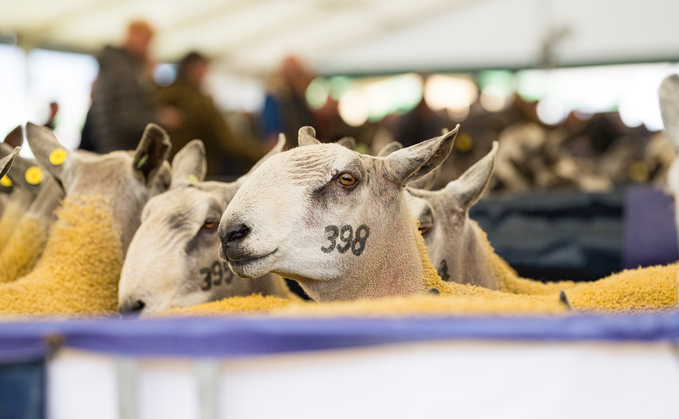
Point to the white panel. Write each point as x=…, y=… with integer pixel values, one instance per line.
x=461, y=380
x=168, y=390
x=82, y=386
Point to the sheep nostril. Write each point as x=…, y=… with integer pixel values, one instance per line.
x=237, y=232
x=132, y=307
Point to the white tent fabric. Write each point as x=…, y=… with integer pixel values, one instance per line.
x=362, y=36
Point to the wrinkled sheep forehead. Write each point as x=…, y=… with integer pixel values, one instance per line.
x=308, y=165
x=188, y=202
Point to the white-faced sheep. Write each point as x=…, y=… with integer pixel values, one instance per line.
x=462, y=253
x=81, y=264
x=338, y=223
x=173, y=260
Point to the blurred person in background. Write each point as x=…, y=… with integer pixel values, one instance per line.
x=285, y=108
x=199, y=118
x=122, y=95
x=53, y=111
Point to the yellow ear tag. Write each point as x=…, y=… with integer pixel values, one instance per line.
x=58, y=156
x=33, y=175
x=193, y=179
x=6, y=182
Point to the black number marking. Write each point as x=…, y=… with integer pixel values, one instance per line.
x=217, y=272
x=360, y=240
x=346, y=238
x=443, y=271
x=332, y=237
x=207, y=280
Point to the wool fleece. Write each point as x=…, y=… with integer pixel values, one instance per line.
x=10, y=217
x=24, y=248
x=80, y=267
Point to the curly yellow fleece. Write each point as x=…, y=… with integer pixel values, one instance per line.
x=24, y=248
x=80, y=267
x=10, y=217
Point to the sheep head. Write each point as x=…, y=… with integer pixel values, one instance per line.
x=173, y=260
x=332, y=219
x=444, y=221
x=125, y=179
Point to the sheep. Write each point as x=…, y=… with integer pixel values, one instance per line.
x=462, y=253
x=173, y=260
x=338, y=223
x=29, y=236
x=81, y=264
x=23, y=192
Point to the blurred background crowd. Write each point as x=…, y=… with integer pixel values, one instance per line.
x=587, y=127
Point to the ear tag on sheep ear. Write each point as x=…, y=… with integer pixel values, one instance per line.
x=6, y=182
x=142, y=161
x=33, y=175
x=192, y=179
x=58, y=156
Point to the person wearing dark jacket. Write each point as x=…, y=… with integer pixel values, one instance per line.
x=200, y=119
x=122, y=96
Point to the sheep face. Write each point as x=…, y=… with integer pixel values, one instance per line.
x=125, y=179
x=327, y=216
x=173, y=259
x=444, y=223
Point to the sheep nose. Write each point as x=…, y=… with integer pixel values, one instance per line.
x=131, y=307
x=235, y=233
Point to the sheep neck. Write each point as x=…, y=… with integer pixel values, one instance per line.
x=398, y=267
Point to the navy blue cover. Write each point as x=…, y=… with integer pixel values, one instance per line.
x=650, y=230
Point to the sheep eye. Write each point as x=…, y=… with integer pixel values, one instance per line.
x=423, y=229
x=347, y=179
x=210, y=224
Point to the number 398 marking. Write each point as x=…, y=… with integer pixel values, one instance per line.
x=346, y=235
x=214, y=275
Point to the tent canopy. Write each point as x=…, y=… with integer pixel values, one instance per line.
x=250, y=37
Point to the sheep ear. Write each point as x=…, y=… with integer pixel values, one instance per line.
x=189, y=165
x=428, y=181
x=416, y=161
x=469, y=187
x=277, y=149
x=19, y=174
x=48, y=152
x=390, y=148
x=307, y=136
x=15, y=138
x=153, y=149
x=347, y=142
x=669, y=107
x=6, y=162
